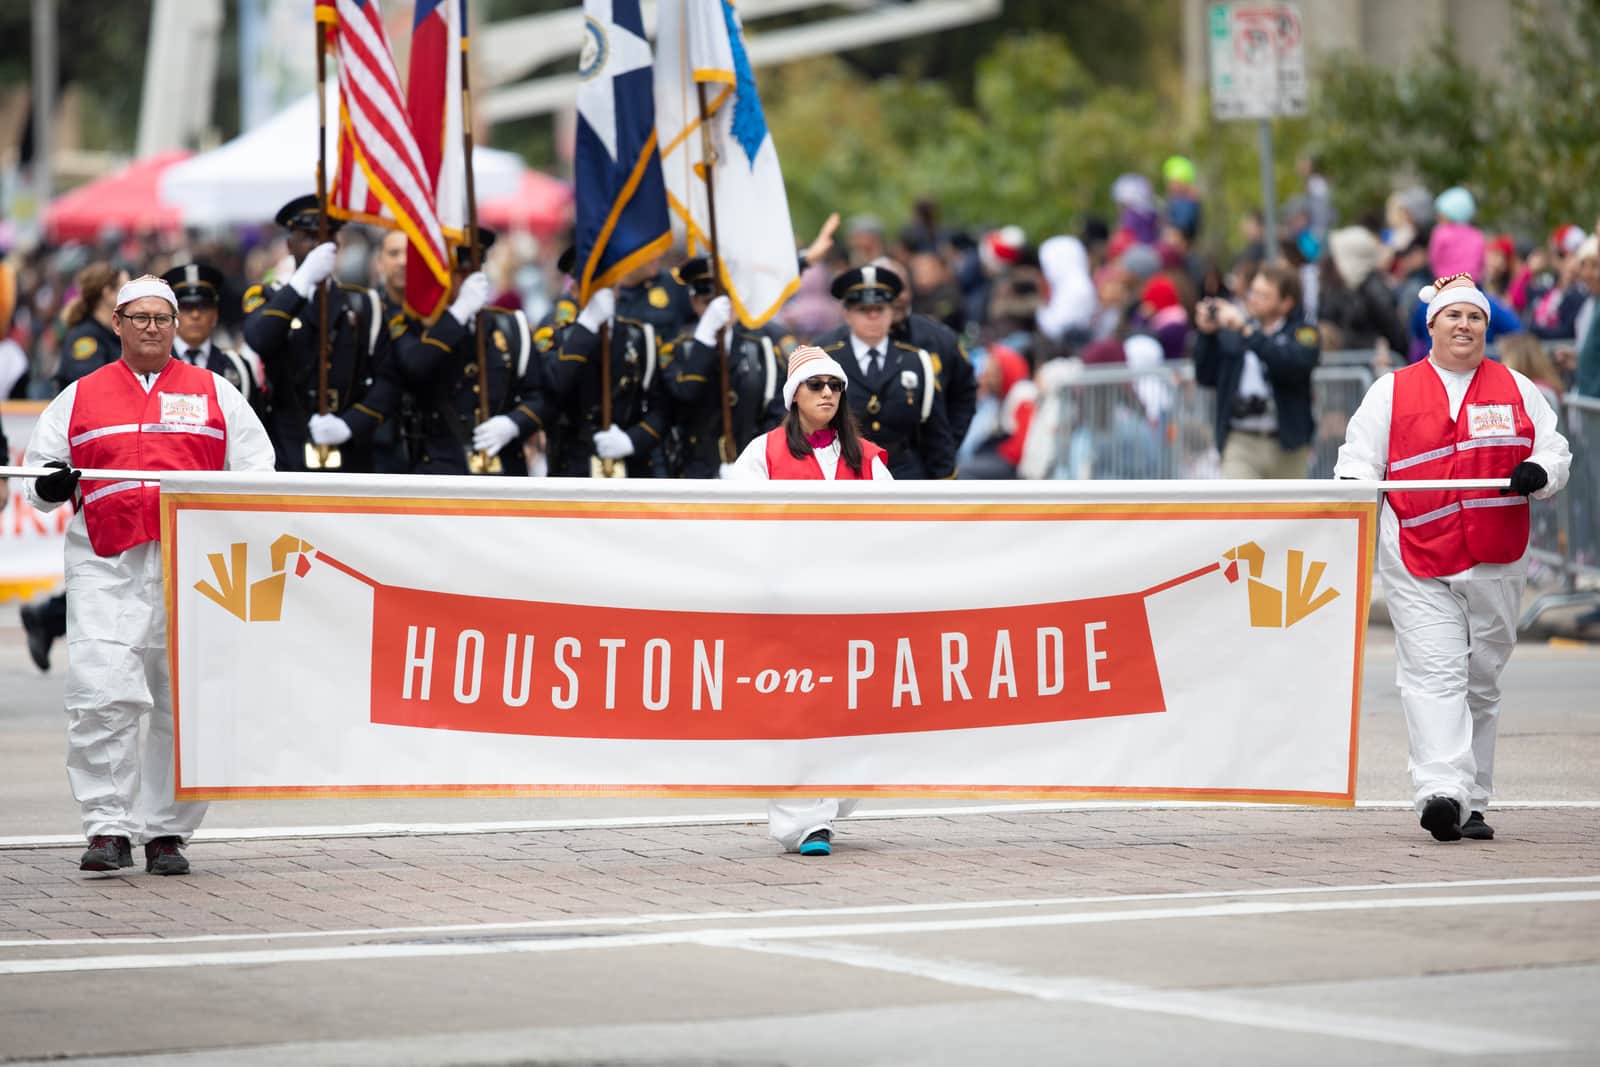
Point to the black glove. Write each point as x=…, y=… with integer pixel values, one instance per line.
x=1528, y=478
x=58, y=488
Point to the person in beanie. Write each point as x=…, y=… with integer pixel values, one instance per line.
x=146, y=411
x=818, y=439
x=1453, y=564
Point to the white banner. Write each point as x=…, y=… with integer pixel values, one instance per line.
x=30, y=541
x=487, y=637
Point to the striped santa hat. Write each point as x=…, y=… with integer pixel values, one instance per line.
x=809, y=361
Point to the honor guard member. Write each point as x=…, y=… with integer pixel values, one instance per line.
x=281, y=327
x=562, y=314
x=894, y=388
x=198, y=288
x=640, y=404
x=757, y=366
x=654, y=296
x=90, y=342
x=439, y=367
x=950, y=360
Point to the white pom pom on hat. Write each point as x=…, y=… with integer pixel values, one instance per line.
x=1427, y=293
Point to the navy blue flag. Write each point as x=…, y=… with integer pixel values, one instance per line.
x=622, y=202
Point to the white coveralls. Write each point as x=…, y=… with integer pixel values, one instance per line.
x=1453, y=635
x=790, y=822
x=117, y=649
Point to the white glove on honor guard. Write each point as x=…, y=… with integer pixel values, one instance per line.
x=613, y=443
x=314, y=269
x=328, y=430
x=470, y=298
x=598, y=311
x=718, y=312
x=495, y=434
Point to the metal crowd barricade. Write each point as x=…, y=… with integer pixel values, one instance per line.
x=1566, y=528
x=1157, y=422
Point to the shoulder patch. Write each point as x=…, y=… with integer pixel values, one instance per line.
x=544, y=338
x=1307, y=335
x=397, y=327
x=566, y=311
x=253, y=298
x=788, y=342
x=84, y=347
x=938, y=364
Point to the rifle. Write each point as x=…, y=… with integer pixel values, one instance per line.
x=322, y=457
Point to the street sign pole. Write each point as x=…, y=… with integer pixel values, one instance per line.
x=1269, y=199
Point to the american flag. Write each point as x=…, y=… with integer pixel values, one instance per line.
x=379, y=178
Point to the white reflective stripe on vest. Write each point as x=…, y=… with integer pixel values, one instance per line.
x=1493, y=442
x=104, y=431
x=117, y=487
x=178, y=427
x=1430, y=516
x=1495, y=502
x=1423, y=457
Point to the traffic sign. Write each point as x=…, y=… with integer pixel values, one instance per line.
x=1258, y=67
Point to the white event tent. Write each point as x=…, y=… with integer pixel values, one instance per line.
x=248, y=179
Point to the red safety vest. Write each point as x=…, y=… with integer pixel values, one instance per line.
x=781, y=463
x=1446, y=532
x=176, y=426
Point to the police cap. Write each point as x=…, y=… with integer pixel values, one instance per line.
x=464, y=252
x=301, y=214
x=695, y=274
x=867, y=285
x=195, y=285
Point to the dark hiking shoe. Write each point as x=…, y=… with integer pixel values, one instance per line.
x=164, y=855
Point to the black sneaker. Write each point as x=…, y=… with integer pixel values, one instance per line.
x=1441, y=817
x=39, y=639
x=106, y=853
x=1476, y=828
x=164, y=855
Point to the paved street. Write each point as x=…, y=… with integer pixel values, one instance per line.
x=632, y=932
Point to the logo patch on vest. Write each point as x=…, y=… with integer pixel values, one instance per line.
x=184, y=409
x=1490, y=420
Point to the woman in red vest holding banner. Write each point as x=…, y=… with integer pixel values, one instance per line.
x=817, y=439
x=146, y=411
x=1454, y=563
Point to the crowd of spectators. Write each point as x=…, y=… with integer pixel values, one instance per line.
x=1042, y=308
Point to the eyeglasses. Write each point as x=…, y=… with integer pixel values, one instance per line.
x=817, y=385
x=144, y=321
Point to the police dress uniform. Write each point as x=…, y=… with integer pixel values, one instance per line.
x=281, y=327
x=640, y=403
x=757, y=366
x=392, y=448
x=439, y=369
x=899, y=405
x=86, y=348
x=200, y=284
x=950, y=362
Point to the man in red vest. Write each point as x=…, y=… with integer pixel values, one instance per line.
x=1454, y=563
x=147, y=411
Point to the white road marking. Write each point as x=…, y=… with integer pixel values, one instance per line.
x=638, y=822
x=713, y=937
x=1210, y=1007
x=663, y=918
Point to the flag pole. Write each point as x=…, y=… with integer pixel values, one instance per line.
x=477, y=462
x=322, y=457
x=727, y=448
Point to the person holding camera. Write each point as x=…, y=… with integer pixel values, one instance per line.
x=1260, y=364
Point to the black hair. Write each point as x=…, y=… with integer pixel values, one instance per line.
x=843, y=423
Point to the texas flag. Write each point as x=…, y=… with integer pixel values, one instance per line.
x=433, y=100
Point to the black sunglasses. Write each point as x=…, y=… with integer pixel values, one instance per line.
x=817, y=385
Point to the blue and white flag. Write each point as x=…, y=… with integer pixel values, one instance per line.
x=701, y=42
x=622, y=206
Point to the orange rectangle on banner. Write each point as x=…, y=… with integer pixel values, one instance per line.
x=453, y=662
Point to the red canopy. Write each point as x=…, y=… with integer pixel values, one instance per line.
x=542, y=205
x=127, y=200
